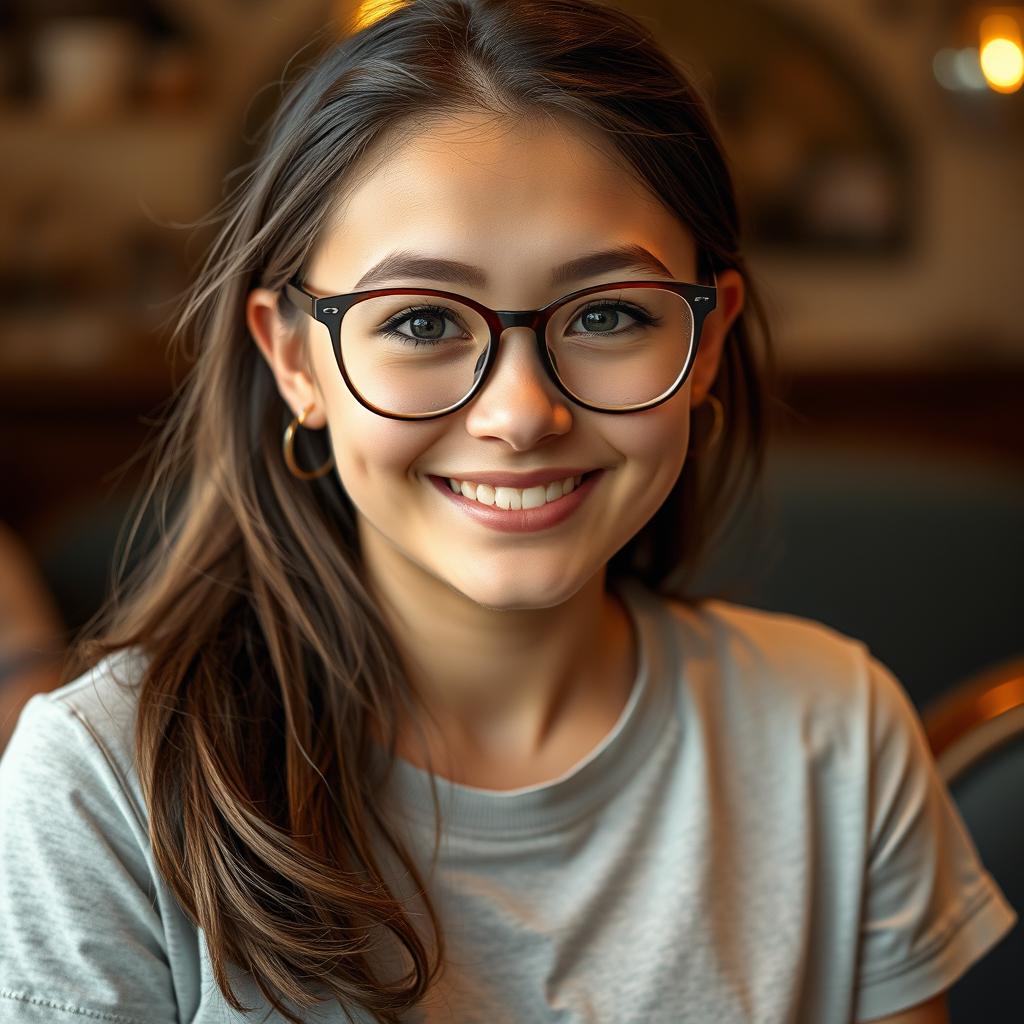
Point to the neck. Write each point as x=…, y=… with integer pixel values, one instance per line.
x=502, y=684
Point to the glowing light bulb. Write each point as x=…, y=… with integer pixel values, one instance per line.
x=1002, y=63
x=1000, y=54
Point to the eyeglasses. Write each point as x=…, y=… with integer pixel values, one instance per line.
x=412, y=354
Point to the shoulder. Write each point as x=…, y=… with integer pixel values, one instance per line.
x=85, y=909
x=79, y=736
x=750, y=668
x=105, y=692
x=754, y=648
x=760, y=635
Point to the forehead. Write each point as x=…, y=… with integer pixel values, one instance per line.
x=512, y=196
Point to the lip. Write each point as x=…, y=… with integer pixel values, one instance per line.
x=519, y=480
x=521, y=520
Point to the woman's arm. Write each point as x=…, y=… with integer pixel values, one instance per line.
x=81, y=928
x=931, y=908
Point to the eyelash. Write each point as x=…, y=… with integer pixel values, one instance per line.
x=637, y=312
x=387, y=329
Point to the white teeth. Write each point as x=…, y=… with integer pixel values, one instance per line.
x=514, y=497
x=508, y=498
x=534, y=497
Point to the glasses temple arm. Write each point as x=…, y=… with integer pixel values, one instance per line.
x=302, y=299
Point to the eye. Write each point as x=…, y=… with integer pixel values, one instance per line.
x=611, y=317
x=427, y=324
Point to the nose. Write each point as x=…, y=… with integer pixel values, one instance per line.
x=519, y=403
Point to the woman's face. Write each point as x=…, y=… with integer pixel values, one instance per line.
x=514, y=200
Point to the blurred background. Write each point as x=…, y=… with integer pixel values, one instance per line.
x=878, y=150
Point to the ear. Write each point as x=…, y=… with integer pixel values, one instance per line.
x=713, y=334
x=285, y=347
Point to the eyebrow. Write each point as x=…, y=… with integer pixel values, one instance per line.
x=403, y=264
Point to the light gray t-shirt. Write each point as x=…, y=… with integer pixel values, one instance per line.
x=762, y=837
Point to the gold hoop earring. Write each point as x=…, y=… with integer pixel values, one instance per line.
x=289, y=450
x=716, y=428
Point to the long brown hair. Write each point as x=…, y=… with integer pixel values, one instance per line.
x=269, y=668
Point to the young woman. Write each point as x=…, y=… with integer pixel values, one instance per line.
x=409, y=716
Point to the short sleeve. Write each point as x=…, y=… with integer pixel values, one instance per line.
x=931, y=909
x=80, y=933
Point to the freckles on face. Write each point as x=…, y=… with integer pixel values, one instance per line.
x=514, y=201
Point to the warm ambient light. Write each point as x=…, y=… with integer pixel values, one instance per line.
x=1002, y=63
x=1000, y=53
x=370, y=11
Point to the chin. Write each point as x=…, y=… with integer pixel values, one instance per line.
x=518, y=591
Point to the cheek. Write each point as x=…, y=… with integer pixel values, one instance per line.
x=375, y=453
x=369, y=450
x=655, y=441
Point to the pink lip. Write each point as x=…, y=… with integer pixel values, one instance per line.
x=521, y=520
x=520, y=480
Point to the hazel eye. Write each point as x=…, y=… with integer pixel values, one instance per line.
x=603, y=318
x=610, y=317
x=427, y=326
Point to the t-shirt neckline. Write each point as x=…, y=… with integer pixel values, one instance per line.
x=556, y=803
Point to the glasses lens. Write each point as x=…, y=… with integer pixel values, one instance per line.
x=622, y=347
x=413, y=354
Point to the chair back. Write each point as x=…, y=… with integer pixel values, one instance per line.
x=976, y=734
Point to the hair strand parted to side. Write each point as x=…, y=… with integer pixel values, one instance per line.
x=269, y=667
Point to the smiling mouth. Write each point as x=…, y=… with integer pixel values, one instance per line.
x=538, y=514
x=515, y=498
